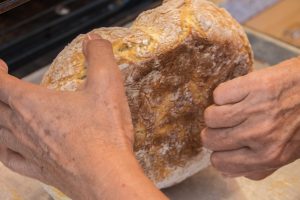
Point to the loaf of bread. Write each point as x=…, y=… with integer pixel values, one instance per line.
x=172, y=59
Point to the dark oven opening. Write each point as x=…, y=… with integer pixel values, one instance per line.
x=32, y=34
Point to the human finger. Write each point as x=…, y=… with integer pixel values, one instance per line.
x=222, y=139
x=13, y=89
x=17, y=163
x=101, y=62
x=8, y=139
x=236, y=161
x=224, y=116
x=232, y=91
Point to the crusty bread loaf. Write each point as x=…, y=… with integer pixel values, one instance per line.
x=172, y=58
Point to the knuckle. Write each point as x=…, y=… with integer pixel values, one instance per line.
x=269, y=88
x=261, y=135
x=267, y=127
x=272, y=157
x=267, y=136
x=29, y=119
x=267, y=83
x=14, y=100
x=251, y=140
x=251, y=136
x=216, y=161
x=233, y=113
x=206, y=139
x=273, y=111
x=225, y=135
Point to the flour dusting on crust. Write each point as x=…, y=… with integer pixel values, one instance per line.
x=172, y=58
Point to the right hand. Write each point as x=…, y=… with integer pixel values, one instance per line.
x=253, y=128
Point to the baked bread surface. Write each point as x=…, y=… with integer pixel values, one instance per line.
x=172, y=58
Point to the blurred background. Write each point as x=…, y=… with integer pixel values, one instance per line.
x=277, y=18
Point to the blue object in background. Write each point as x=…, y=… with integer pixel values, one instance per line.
x=243, y=10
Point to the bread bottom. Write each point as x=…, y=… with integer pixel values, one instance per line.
x=179, y=174
x=192, y=167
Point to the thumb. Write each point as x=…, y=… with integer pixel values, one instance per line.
x=3, y=66
x=100, y=61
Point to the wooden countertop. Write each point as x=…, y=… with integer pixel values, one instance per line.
x=206, y=185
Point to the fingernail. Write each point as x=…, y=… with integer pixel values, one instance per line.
x=89, y=37
x=93, y=36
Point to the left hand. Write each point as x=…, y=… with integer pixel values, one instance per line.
x=80, y=142
x=253, y=128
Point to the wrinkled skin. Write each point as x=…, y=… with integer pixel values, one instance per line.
x=80, y=142
x=254, y=126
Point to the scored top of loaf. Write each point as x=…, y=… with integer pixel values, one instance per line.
x=154, y=32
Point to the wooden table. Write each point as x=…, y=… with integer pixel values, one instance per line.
x=206, y=185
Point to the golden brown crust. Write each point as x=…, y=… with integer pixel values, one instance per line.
x=171, y=58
